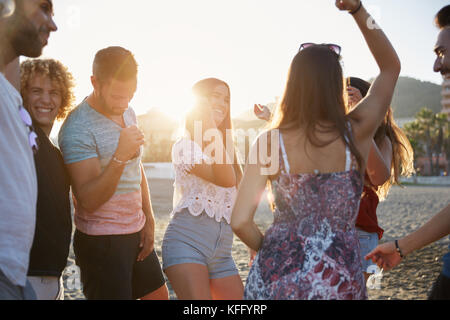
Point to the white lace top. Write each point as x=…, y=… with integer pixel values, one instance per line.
x=193, y=192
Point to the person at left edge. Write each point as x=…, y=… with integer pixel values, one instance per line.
x=25, y=26
x=46, y=87
x=101, y=146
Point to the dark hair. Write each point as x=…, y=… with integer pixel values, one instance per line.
x=402, y=163
x=314, y=94
x=360, y=84
x=442, y=18
x=114, y=63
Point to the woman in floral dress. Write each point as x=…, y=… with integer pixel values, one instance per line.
x=318, y=154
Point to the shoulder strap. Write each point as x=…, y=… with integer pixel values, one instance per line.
x=283, y=151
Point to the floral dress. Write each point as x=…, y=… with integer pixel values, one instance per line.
x=311, y=251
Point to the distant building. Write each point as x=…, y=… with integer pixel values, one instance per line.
x=424, y=166
x=159, y=131
x=446, y=97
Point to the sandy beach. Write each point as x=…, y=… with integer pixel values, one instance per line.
x=405, y=210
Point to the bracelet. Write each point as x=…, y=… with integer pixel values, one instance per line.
x=121, y=162
x=357, y=9
x=398, y=249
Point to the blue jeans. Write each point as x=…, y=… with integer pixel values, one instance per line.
x=10, y=291
x=367, y=242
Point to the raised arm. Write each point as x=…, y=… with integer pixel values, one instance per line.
x=370, y=112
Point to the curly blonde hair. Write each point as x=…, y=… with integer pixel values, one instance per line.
x=57, y=72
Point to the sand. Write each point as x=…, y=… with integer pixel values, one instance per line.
x=405, y=210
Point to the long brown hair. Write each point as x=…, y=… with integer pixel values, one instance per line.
x=314, y=95
x=205, y=88
x=402, y=163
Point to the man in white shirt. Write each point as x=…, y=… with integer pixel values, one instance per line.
x=25, y=26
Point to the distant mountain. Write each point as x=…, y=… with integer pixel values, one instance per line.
x=411, y=95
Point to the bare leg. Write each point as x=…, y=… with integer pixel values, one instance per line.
x=229, y=288
x=190, y=281
x=159, y=294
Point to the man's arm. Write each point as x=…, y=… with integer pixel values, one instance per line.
x=91, y=186
x=148, y=233
x=386, y=256
x=435, y=229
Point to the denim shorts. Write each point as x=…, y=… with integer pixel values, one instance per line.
x=200, y=240
x=367, y=242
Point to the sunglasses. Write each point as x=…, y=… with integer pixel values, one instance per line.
x=32, y=136
x=333, y=47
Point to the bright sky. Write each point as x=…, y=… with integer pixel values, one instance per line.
x=247, y=43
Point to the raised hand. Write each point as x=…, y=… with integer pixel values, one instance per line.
x=347, y=5
x=354, y=96
x=131, y=139
x=262, y=112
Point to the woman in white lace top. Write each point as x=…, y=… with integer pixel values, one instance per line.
x=197, y=244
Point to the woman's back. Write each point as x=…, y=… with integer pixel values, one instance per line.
x=304, y=157
x=312, y=242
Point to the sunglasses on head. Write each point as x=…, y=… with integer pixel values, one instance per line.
x=333, y=47
x=32, y=136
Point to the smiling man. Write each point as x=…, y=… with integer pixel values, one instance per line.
x=47, y=92
x=25, y=26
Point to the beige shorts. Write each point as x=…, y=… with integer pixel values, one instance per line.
x=47, y=288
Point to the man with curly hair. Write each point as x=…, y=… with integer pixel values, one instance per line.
x=46, y=87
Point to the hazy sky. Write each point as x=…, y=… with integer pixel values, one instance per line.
x=247, y=43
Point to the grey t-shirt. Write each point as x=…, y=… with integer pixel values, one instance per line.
x=88, y=134
x=18, y=187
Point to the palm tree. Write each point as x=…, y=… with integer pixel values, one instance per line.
x=415, y=135
x=440, y=125
x=425, y=118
